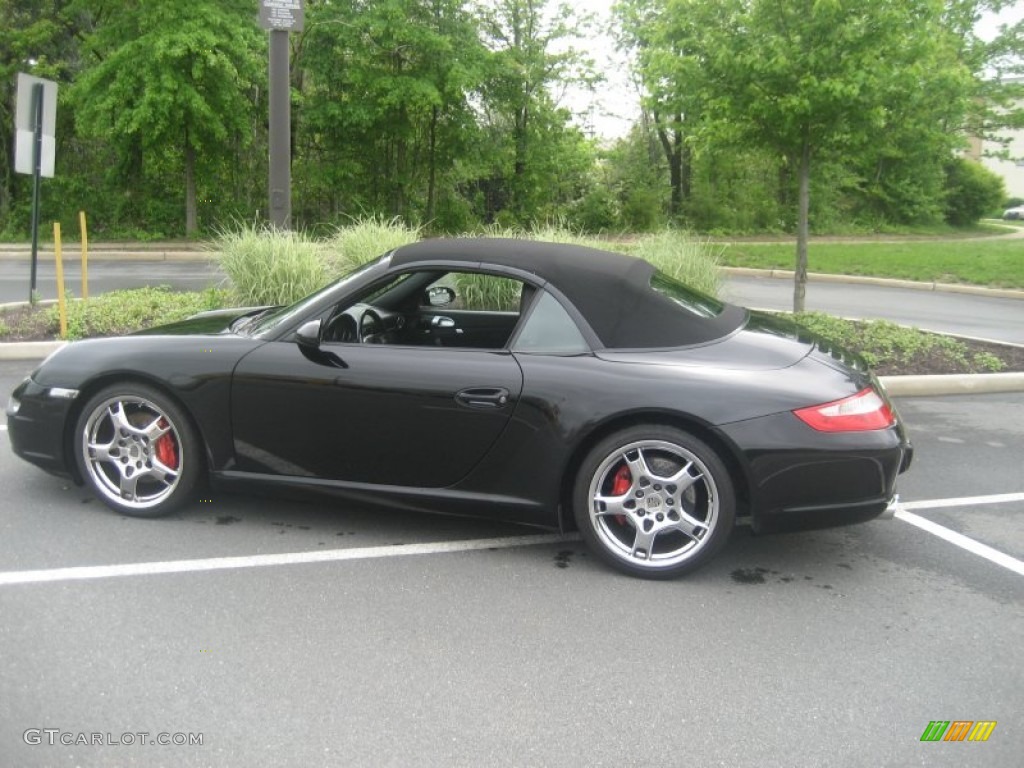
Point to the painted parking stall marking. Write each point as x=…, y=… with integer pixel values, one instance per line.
x=964, y=501
x=964, y=542
x=81, y=573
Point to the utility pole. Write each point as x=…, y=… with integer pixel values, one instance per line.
x=280, y=17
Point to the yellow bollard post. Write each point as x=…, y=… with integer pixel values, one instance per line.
x=61, y=305
x=85, y=254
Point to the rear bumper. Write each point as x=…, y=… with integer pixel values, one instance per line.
x=893, y=507
x=801, y=479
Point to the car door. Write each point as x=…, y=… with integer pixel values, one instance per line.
x=369, y=413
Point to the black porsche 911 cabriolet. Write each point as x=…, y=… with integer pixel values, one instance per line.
x=547, y=384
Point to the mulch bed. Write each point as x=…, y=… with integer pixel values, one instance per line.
x=1012, y=357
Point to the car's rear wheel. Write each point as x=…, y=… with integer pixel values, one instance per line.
x=654, y=501
x=137, y=450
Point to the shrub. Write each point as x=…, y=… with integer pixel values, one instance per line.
x=972, y=191
x=893, y=348
x=595, y=212
x=125, y=311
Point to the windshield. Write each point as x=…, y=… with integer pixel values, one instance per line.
x=282, y=315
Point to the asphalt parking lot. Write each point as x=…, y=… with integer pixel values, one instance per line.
x=305, y=633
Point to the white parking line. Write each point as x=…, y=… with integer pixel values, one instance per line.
x=964, y=501
x=975, y=547
x=79, y=573
x=284, y=558
x=964, y=542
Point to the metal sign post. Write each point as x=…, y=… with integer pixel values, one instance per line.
x=34, y=122
x=280, y=17
x=37, y=167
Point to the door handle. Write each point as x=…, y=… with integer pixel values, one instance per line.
x=483, y=397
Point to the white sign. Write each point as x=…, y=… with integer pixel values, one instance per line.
x=24, y=125
x=282, y=14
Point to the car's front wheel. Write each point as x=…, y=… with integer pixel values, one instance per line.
x=137, y=450
x=654, y=501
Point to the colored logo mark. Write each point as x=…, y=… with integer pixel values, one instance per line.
x=958, y=730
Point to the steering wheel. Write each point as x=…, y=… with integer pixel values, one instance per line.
x=370, y=327
x=341, y=328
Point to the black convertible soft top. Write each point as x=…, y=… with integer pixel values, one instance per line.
x=612, y=291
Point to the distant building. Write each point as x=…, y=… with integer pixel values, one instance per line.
x=1011, y=170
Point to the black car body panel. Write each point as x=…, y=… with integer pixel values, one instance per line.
x=497, y=431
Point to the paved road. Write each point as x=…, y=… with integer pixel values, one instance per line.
x=831, y=648
x=105, y=275
x=962, y=314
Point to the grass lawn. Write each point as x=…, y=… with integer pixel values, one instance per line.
x=994, y=263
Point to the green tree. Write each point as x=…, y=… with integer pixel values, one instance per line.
x=38, y=38
x=385, y=93
x=667, y=45
x=171, y=77
x=815, y=79
x=532, y=54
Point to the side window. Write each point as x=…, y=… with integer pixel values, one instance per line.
x=550, y=331
x=481, y=292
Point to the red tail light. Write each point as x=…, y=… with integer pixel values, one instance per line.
x=858, y=413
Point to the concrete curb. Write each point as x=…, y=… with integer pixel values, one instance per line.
x=28, y=350
x=976, y=384
x=897, y=386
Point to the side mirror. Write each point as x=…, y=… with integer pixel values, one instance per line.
x=439, y=296
x=308, y=335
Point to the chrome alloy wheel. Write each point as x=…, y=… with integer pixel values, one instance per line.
x=653, y=504
x=132, y=452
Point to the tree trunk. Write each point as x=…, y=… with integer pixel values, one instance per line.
x=673, y=156
x=432, y=169
x=190, y=187
x=685, y=168
x=519, y=169
x=802, y=227
x=398, y=183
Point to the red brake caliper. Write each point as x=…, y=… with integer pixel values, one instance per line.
x=167, y=448
x=620, y=487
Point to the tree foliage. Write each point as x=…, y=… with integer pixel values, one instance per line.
x=873, y=96
x=170, y=77
x=757, y=115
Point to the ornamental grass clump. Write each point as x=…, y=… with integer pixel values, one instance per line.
x=269, y=266
x=551, y=232
x=688, y=259
x=365, y=239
